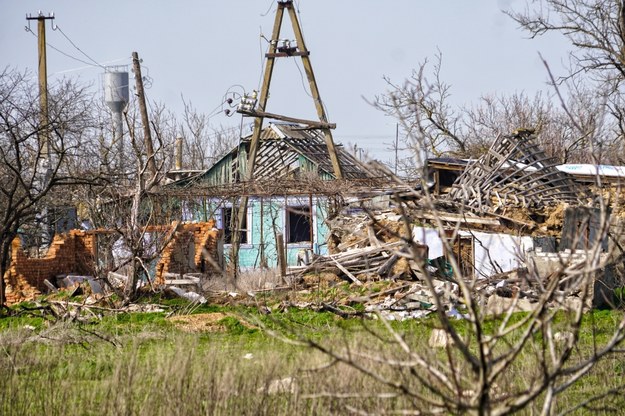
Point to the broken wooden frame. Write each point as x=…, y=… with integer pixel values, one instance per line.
x=514, y=171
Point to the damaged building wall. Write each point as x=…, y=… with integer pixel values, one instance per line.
x=68, y=253
x=300, y=219
x=194, y=248
x=77, y=253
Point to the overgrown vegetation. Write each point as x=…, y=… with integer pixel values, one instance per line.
x=144, y=364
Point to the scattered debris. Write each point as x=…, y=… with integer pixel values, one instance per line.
x=190, y=296
x=286, y=385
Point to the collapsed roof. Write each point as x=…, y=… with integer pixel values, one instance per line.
x=514, y=170
x=291, y=158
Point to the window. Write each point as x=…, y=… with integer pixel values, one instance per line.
x=299, y=224
x=226, y=224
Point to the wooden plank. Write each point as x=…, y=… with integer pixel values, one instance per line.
x=347, y=273
x=468, y=219
x=281, y=255
x=388, y=265
x=50, y=286
x=175, y=276
x=181, y=282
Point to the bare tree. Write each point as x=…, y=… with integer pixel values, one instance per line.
x=595, y=29
x=424, y=105
x=29, y=169
x=471, y=372
x=204, y=143
x=471, y=367
x=596, y=32
x=467, y=131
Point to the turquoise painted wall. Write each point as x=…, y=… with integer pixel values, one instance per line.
x=263, y=226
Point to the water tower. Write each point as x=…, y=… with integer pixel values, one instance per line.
x=116, y=98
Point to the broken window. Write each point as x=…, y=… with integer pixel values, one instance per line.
x=227, y=226
x=299, y=224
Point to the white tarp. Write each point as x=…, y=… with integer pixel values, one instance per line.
x=492, y=253
x=429, y=237
x=574, y=169
x=496, y=253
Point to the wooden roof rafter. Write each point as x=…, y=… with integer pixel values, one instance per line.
x=514, y=169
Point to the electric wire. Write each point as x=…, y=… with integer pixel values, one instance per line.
x=147, y=79
x=301, y=77
x=301, y=24
x=56, y=27
x=271, y=4
x=80, y=68
x=262, y=56
x=60, y=51
x=308, y=93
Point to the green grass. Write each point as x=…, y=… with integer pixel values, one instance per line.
x=142, y=364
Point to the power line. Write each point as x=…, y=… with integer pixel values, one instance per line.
x=60, y=51
x=271, y=4
x=56, y=27
x=301, y=77
x=262, y=56
x=80, y=68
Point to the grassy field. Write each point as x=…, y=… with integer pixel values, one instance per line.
x=223, y=361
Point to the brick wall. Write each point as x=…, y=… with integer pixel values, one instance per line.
x=69, y=253
x=75, y=253
x=185, y=251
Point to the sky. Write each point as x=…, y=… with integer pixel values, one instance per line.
x=203, y=49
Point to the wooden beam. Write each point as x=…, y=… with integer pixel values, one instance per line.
x=264, y=114
x=286, y=54
x=258, y=125
x=297, y=30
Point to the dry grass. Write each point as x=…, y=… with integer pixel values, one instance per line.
x=226, y=368
x=247, y=280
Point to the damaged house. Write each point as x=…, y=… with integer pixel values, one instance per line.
x=511, y=212
x=293, y=192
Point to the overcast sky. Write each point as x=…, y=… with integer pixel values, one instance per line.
x=203, y=49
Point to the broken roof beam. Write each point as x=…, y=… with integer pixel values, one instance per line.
x=515, y=166
x=311, y=123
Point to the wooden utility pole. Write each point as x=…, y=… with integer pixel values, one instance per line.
x=297, y=30
x=396, y=146
x=147, y=134
x=282, y=51
x=44, y=136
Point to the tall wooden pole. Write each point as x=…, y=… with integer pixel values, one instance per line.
x=44, y=136
x=301, y=46
x=241, y=210
x=262, y=106
x=147, y=134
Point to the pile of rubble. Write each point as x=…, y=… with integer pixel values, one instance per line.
x=369, y=247
x=508, y=224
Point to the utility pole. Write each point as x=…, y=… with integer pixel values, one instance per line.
x=396, y=146
x=44, y=162
x=44, y=136
x=147, y=134
x=285, y=50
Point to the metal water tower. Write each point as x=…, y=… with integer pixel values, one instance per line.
x=116, y=98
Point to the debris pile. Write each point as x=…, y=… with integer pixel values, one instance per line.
x=364, y=248
x=97, y=261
